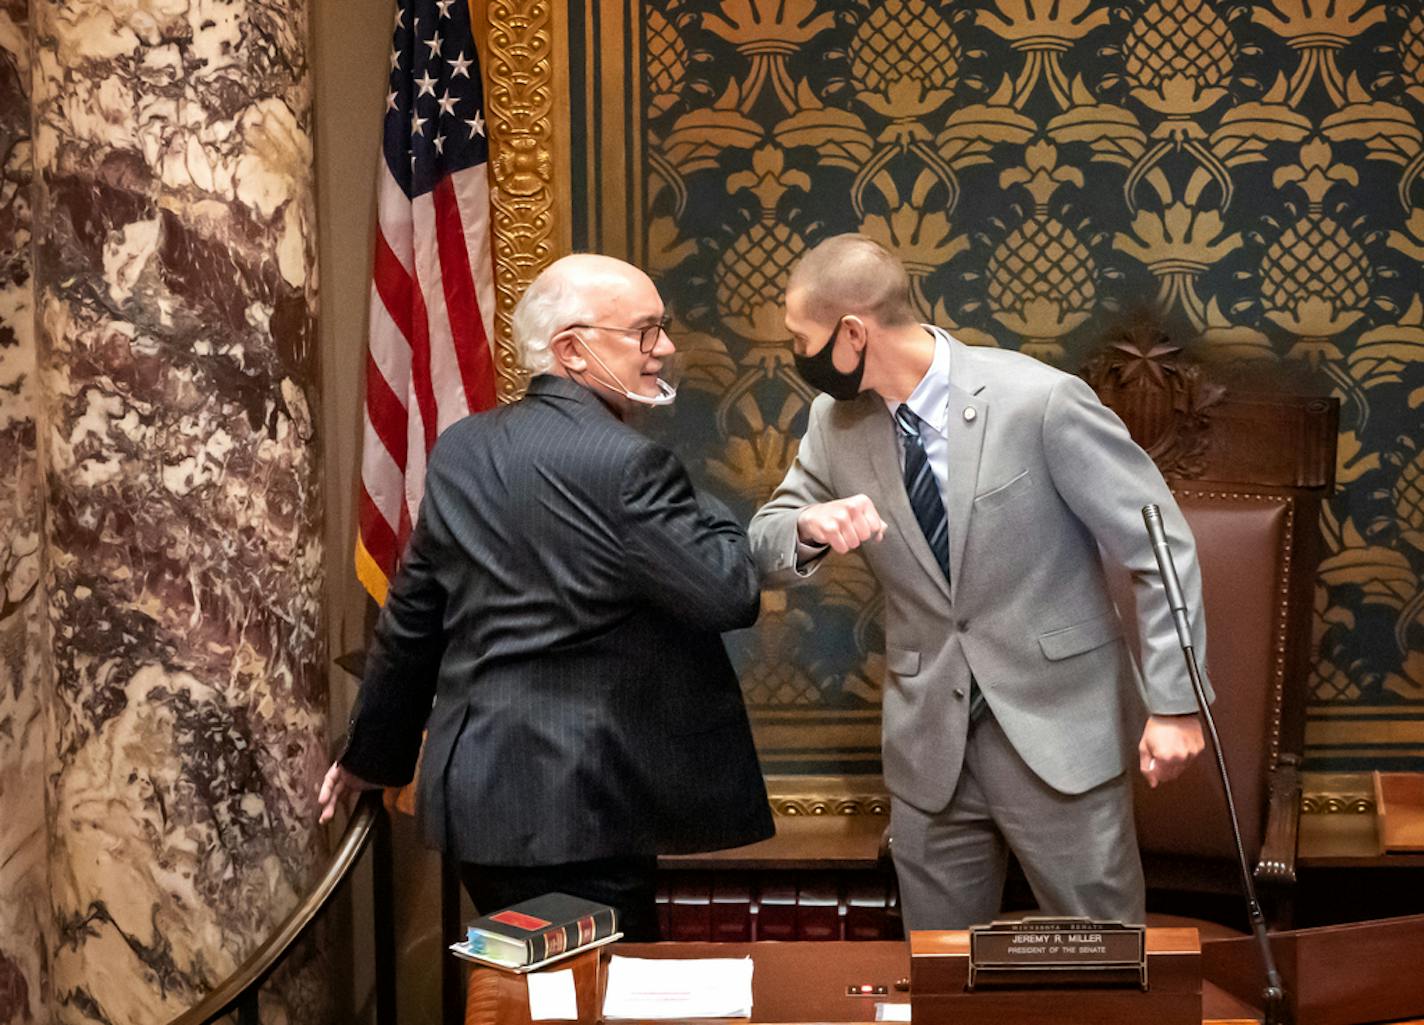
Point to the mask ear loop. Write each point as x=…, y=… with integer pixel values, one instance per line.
x=617, y=385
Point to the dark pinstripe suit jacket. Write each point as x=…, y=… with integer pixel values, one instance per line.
x=561, y=602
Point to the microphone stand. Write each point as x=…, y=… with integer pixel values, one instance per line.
x=1274, y=995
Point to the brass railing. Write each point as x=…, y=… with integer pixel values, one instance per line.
x=239, y=991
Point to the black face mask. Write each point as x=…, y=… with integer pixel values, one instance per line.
x=820, y=373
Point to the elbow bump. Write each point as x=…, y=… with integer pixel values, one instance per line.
x=744, y=602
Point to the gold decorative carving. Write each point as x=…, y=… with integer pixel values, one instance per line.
x=828, y=796
x=1337, y=804
x=831, y=804
x=1337, y=793
x=519, y=112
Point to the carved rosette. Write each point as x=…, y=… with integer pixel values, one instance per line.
x=519, y=105
x=1165, y=399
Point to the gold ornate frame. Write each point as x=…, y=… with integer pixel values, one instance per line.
x=529, y=156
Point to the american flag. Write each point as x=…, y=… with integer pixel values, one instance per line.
x=432, y=297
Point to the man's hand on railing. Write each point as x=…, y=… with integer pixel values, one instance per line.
x=337, y=782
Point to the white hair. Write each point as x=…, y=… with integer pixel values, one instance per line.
x=551, y=303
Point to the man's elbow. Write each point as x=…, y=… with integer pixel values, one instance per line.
x=740, y=603
x=749, y=606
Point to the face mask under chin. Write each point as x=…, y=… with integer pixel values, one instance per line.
x=667, y=393
x=820, y=372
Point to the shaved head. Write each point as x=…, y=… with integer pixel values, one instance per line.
x=852, y=273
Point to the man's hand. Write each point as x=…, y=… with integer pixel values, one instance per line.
x=1168, y=745
x=844, y=524
x=337, y=782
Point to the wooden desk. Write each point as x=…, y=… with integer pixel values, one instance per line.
x=792, y=982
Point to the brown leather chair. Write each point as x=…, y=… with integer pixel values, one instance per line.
x=1250, y=472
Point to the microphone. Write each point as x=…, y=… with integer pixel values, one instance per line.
x=1274, y=995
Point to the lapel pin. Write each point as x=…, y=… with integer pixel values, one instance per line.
x=969, y=414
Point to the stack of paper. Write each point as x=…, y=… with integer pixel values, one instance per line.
x=657, y=988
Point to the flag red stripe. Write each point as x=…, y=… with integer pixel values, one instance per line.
x=420, y=381
x=376, y=534
x=401, y=297
x=403, y=534
x=387, y=412
x=472, y=351
x=393, y=285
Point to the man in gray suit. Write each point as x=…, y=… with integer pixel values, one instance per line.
x=561, y=604
x=983, y=489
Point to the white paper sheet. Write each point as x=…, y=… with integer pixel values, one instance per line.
x=892, y=1012
x=658, y=988
x=552, y=996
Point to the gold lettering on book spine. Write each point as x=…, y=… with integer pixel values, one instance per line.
x=518, y=112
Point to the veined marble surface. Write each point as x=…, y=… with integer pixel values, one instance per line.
x=176, y=299
x=24, y=847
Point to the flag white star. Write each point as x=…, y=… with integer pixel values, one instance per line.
x=395, y=58
x=435, y=42
x=440, y=144
x=444, y=6
x=427, y=85
x=417, y=124
x=391, y=101
x=460, y=66
x=400, y=17
x=477, y=124
x=447, y=103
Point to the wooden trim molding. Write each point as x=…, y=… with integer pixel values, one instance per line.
x=528, y=160
x=815, y=796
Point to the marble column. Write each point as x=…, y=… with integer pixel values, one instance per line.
x=175, y=302
x=24, y=880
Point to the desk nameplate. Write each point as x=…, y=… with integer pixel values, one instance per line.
x=1057, y=951
x=940, y=992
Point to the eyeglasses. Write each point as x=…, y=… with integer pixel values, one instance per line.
x=647, y=336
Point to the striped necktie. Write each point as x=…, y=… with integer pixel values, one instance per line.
x=928, y=506
x=920, y=484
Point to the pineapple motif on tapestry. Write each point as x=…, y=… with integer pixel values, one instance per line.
x=1248, y=173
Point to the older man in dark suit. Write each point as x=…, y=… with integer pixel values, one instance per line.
x=561, y=604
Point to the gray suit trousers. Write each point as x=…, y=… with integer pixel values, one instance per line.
x=1079, y=851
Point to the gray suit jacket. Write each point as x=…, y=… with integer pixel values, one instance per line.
x=1041, y=477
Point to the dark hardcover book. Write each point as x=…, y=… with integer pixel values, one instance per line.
x=538, y=929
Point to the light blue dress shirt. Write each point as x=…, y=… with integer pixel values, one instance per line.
x=930, y=402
